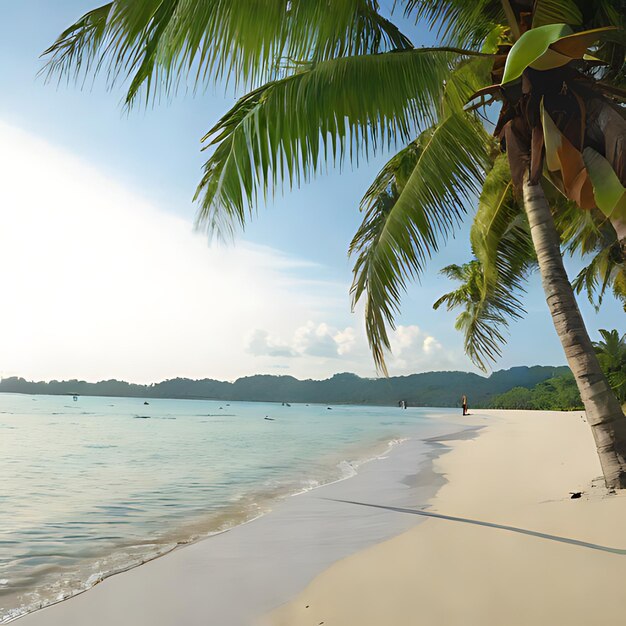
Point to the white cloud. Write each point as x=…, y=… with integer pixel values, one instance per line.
x=412, y=349
x=261, y=344
x=311, y=339
x=431, y=345
x=316, y=340
x=346, y=340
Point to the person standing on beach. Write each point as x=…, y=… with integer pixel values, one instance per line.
x=464, y=404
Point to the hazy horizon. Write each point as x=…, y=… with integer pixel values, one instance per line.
x=275, y=374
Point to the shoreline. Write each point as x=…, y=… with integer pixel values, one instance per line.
x=366, y=453
x=502, y=541
x=57, y=613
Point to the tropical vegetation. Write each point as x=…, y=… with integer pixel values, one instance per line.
x=336, y=80
x=555, y=394
x=611, y=351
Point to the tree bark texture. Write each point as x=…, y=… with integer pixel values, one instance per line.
x=604, y=413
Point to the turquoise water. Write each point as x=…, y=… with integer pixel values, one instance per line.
x=102, y=484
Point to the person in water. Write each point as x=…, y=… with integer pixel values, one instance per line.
x=464, y=404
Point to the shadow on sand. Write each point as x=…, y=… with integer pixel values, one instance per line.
x=513, y=529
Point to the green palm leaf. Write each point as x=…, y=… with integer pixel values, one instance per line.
x=285, y=129
x=603, y=273
x=499, y=235
x=556, y=12
x=458, y=22
x=484, y=316
x=611, y=351
x=413, y=205
x=162, y=41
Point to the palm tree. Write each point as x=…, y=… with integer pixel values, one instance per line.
x=335, y=79
x=611, y=352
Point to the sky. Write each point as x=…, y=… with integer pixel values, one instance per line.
x=104, y=276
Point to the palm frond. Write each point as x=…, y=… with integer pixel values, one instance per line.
x=499, y=236
x=491, y=285
x=582, y=232
x=556, y=12
x=413, y=205
x=611, y=351
x=160, y=42
x=284, y=130
x=590, y=234
x=484, y=315
x=469, y=76
x=612, y=48
x=78, y=45
x=458, y=22
x=605, y=272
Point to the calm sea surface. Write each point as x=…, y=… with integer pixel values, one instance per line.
x=91, y=487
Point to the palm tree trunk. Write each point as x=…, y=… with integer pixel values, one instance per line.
x=604, y=413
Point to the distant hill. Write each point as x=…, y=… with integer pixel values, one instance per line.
x=442, y=389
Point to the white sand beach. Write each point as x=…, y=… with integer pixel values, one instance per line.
x=507, y=545
x=518, y=552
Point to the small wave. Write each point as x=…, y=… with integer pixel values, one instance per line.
x=348, y=470
x=100, y=446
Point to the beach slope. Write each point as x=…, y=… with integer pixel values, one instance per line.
x=506, y=544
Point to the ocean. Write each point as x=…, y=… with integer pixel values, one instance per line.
x=99, y=485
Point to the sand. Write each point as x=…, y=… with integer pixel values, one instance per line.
x=519, y=550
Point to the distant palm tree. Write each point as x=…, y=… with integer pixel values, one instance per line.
x=335, y=79
x=483, y=317
x=612, y=356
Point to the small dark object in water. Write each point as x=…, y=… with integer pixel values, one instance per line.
x=307, y=606
x=329, y=408
x=269, y=419
x=146, y=403
x=221, y=408
x=142, y=417
x=575, y=494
